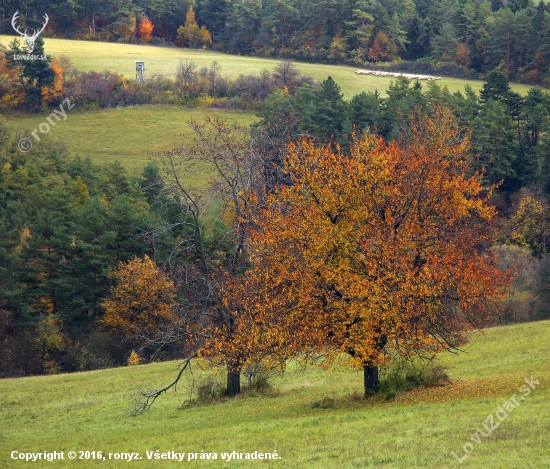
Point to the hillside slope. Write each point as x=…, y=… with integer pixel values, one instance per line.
x=90, y=411
x=132, y=135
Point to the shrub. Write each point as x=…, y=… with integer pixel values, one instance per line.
x=259, y=383
x=527, y=299
x=406, y=374
x=325, y=403
x=209, y=388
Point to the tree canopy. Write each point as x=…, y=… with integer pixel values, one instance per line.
x=382, y=249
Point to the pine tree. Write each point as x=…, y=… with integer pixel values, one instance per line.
x=115, y=179
x=94, y=249
x=496, y=88
x=122, y=219
x=467, y=18
x=535, y=109
x=543, y=49
x=213, y=14
x=366, y=111
x=494, y=143
x=243, y=24
x=523, y=45
x=402, y=98
x=415, y=50
x=445, y=45
x=34, y=74
x=480, y=34
x=87, y=171
x=11, y=290
x=500, y=43
x=151, y=182
x=48, y=261
x=279, y=25
x=465, y=107
x=326, y=117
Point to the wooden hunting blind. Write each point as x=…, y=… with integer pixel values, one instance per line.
x=140, y=68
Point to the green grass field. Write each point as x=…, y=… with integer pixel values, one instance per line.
x=99, y=56
x=419, y=429
x=131, y=135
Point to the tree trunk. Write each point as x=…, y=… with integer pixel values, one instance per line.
x=233, y=383
x=370, y=377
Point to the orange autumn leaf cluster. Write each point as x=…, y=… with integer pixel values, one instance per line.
x=142, y=303
x=54, y=92
x=384, y=247
x=145, y=30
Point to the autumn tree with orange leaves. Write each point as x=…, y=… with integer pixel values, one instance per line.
x=145, y=30
x=142, y=306
x=381, y=250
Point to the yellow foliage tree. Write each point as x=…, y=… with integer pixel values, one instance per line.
x=142, y=306
x=191, y=35
x=529, y=225
x=134, y=359
x=82, y=193
x=205, y=37
x=50, y=340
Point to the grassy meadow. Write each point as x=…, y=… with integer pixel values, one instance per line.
x=99, y=56
x=131, y=134
x=418, y=429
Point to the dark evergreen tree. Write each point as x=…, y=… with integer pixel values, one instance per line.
x=415, y=49
x=47, y=255
x=94, y=249
x=278, y=26
x=499, y=45
x=151, y=182
x=12, y=301
x=494, y=144
x=34, y=74
x=326, y=116
x=497, y=88
x=87, y=171
x=123, y=220
x=213, y=14
x=445, y=45
x=115, y=181
x=243, y=24
x=402, y=97
x=465, y=107
x=366, y=112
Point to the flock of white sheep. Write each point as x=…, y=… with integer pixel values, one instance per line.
x=395, y=75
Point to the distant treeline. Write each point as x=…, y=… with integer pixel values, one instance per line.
x=455, y=36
